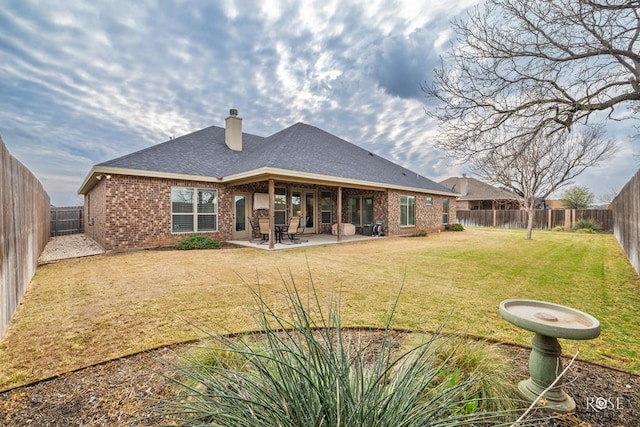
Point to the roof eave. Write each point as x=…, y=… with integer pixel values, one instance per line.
x=253, y=175
x=277, y=173
x=91, y=180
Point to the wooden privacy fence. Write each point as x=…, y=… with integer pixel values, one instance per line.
x=626, y=208
x=545, y=219
x=66, y=220
x=24, y=231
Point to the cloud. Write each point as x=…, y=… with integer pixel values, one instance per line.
x=85, y=82
x=402, y=64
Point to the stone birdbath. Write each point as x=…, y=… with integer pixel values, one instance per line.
x=549, y=322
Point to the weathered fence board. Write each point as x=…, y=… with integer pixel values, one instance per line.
x=626, y=208
x=66, y=220
x=543, y=218
x=24, y=231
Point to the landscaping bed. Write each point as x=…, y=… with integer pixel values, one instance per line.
x=124, y=391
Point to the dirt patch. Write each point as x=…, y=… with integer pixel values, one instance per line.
x=124, y=392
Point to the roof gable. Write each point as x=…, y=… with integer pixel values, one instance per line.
x=477, y=190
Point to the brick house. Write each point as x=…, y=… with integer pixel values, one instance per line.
x=216, y=181
x=477, y=195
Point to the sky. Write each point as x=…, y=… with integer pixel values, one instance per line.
x=83, y=82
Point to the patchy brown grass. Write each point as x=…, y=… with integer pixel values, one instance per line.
x=83, y=311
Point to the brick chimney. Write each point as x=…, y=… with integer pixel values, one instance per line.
x=233, y=131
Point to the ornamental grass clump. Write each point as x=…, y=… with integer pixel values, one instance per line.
x=587, y=226
x=494, y=377
x=303, y=369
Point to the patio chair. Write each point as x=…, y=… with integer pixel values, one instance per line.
x=263, y=226
x=255, y=229
x=292, y=230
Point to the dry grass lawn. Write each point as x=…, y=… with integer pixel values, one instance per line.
x=83, y=311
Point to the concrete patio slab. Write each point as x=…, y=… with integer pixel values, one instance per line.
x=306, y=241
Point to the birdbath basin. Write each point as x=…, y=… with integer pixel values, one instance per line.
x=549, y=322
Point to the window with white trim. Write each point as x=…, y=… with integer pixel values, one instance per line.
x=194, y=209
x=445, y=211
x=407, y=211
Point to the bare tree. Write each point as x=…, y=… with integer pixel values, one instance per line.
x=547, y=65
x=608, y=197
x=535, y=169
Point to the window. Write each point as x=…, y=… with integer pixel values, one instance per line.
x=354, y=210
x=194, y=210
x=367, y=210
x=429, y=201
x=361, y=210
x=280, y=206
x=445, y=211
x=326, y=206
x=407, y=211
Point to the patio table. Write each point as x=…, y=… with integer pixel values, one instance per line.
x=279, y=229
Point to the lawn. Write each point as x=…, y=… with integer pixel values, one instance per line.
x=83, y=311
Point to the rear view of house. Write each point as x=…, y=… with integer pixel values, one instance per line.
x=216, y=181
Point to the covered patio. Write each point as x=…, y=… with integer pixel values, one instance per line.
x=323, y=207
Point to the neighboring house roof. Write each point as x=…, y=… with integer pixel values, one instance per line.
x=474, y=189
x=554, y=204
x=299, y=151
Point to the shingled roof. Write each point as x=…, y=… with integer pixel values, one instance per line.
x=476, y=189
x=300, y=150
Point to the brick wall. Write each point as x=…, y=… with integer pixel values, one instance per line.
x=428, y=217
x=380, y=212
x=126, y=212
x=94, y=213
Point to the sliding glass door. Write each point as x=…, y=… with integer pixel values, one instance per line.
x=361, y=210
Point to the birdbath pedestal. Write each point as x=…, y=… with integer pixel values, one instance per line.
x=549, y=322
